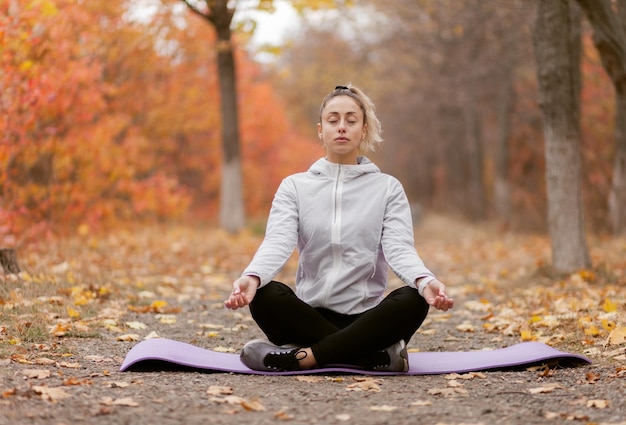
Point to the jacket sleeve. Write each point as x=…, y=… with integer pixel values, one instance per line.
x=281, y=235
x=397, y=238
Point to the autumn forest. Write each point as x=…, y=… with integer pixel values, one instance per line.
x=108, y=119
x=136, y=175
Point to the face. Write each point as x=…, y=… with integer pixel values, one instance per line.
x=342, y=129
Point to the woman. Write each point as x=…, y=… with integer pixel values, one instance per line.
x=350, y=223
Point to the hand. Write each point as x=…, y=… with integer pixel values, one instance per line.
x=435, y=295
x=243, y=292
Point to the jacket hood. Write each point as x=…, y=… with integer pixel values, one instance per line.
x=323, y=167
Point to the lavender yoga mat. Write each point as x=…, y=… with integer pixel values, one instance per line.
x=167, y=354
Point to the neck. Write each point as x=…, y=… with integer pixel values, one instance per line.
x=348, y=160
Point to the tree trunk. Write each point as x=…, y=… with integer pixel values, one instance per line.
x=475, y=159
x=8, y=261
x=609, y=37
x=559, y=94
x=502, y=186
x=617, y=193
x=453, y=138
x=232, y=216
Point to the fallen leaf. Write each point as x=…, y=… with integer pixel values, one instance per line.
x=118, y=384
x=9, y=393
x=72, y=380
x=283, y=416
x=466, y=327
x=219, y=390
x=253, y=405
x=308, y=378
x=70, y=365
x=447, y=392
x=152, y=335
x=136, y=325
x=617, y=336
x=231, y=399
x=221, y=349
x=365, y=384
x=592, y=377
x=36, y=373
x=51, y=394
x=44, y=361
x=128, y=337
x=421, y=403
x=342, y=417
x=598, y=404
x=545, y=389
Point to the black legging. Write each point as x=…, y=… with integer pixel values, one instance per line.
x=334, y=337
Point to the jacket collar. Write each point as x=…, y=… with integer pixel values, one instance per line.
x=330, y=169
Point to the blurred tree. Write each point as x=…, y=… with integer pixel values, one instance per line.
x=220, y=15
x=608, y=19
x=556, y=37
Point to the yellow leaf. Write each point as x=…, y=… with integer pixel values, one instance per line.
x=526, y=335
x=26, y=65
x=158, y=305
x=72, y=313
x=592, y=331
x=607, y=325
x=609, y=306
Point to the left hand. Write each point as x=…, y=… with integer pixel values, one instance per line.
x=435, y=295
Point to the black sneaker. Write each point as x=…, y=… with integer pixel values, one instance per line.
x=260, y=354
x=394, y=358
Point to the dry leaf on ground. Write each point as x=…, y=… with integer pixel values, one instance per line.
x=36, y=373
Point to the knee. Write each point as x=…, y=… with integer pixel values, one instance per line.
x=411, y=302
x=270, y=294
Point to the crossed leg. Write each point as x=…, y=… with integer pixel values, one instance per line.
x=330, y=337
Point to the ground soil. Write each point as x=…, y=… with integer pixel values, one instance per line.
x=93, y=391
x=174, y=397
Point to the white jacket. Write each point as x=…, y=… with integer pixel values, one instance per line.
x=349, y=223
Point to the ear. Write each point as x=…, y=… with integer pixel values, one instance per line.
x=319, y=130
x=364, y=132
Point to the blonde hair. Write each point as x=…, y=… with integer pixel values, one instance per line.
x=373, y=136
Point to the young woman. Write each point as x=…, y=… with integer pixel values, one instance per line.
x=350, y=222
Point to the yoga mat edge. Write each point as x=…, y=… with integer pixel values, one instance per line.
x=167, y=354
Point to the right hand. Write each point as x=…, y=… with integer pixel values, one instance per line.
x=243, y=292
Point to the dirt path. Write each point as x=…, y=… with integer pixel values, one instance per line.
x=76, y=380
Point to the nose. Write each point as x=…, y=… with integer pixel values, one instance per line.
x=342, y=126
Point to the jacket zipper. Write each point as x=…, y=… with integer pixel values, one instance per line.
x=335, y=240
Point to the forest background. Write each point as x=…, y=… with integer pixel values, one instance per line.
x=109, y=120
x=111, y=166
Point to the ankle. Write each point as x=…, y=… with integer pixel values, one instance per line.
x=306, y=359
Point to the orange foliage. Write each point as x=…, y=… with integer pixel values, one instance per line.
x=105, y=120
